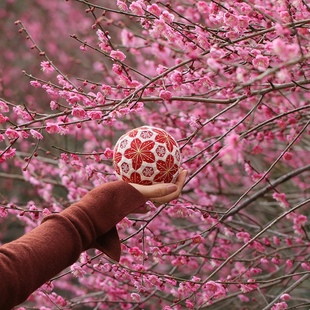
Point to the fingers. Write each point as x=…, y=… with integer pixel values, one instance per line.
x=174, y=195
x=156, y=190
x=163, y=192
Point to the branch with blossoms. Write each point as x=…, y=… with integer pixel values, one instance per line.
x=229, y=81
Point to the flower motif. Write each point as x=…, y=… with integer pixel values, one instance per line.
x=167, y=169
x=139, y=152
x=125, y=167
x=146, y=134
x=148, y=171
x=163, y=137
x=160, y=151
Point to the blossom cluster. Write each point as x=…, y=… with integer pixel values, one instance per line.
x=229, y=80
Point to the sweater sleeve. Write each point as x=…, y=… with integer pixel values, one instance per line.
x=31, y=260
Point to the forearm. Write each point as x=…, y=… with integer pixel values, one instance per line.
x=30, y=261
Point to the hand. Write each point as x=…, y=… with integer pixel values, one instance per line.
x=162, y=192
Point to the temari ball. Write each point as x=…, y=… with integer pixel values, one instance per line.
x=147, y=155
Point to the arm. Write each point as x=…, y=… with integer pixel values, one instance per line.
x=30, y=261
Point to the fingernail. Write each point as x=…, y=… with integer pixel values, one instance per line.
x=171, y=188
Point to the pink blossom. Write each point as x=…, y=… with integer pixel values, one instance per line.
x=100, y=98
x=285, y=51
x=243, y=298
x=245, y=236
x=46, y=66
x=285, y=297
x=101, y=36
x=194, y=122
x=281, y=198
x=287, y=156
x=12, y=134
x=231, y=20
x=4, y=107
x=52, y=127
x=105, y=46
x=3, y=119
x=108, y=153
x=135, y=251
x=137, y=8
x=275, y=240
x=135, y=297
x=243, y=22
x=3, y=212
x=24, y=134
x=197, y=239
x=21, y=112
x=165, y=94
x=300, y=220
x=154, y=9
x=83, y=48
x=189, y=304
x=36, y=134
x=46, y=212
x=260, y=62
x=118, y=55
x=280, y=306
x=122, y=5
x=214, y=289
x=289, y=263
x=159, y=28
x=167, y=17
x=281, y=30
x=51, y=91
x=106, y=89
x=9, y=153
x=248, y=287
x=35, y=84
x=95, y=115
x=53, y=105
x=77, y=270
x=213, y=64
x=79, y=112
x=275, y=260
x=202, y=7
x=176, y=78
x=264, y=260
x=117, y=69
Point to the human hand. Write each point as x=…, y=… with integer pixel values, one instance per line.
x=161, y=193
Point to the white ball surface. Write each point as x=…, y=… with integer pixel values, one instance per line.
x=147, y=155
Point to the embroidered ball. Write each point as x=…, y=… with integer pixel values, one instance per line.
x=147, y=155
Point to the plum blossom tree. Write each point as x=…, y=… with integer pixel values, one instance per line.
x=229, y=80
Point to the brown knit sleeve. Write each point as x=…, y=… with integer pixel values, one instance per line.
x=30, y=261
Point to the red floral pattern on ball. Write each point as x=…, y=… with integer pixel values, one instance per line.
x=167, y=169
x=135, y=178
x=139, y=152
x=147, y=155
x=163, y=137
